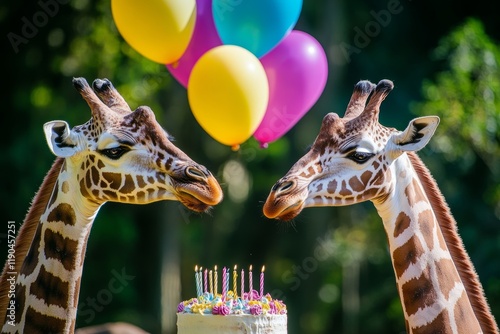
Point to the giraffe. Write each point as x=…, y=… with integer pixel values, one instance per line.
x=119, y=155
x=355, y=159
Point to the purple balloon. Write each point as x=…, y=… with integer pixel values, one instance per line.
x=297, y=70
x=204, y=38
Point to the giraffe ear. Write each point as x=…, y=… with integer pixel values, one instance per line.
x=62, y=142
x=417, y=134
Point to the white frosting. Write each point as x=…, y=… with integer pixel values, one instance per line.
x=188, y=323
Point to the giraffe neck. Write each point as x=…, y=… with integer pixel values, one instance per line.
x=48, y=280
x=437, y=284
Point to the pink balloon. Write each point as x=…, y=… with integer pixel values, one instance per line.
x=297, y=70
x=204, y=38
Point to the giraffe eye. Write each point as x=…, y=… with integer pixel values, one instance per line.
x=115, y=152
x=360, y=157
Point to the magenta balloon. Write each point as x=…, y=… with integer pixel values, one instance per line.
x=204, y=38
x=297, y=70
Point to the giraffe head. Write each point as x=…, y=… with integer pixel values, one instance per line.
x=350, y=160
x=125, y=156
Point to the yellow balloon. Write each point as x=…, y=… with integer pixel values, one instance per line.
x=228, y=93
x=160, y=30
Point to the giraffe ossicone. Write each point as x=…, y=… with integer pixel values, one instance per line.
x=119, y=155
x=356, y=159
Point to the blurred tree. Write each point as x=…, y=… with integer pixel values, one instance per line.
x=467, y=97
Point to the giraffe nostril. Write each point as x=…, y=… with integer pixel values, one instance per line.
x=195, y=173
x=285, y=187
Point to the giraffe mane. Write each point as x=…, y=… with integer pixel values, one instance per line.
x=28, y=229
x=448, y=226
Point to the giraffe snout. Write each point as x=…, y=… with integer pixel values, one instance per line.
x=285, y=201
x=198, y=189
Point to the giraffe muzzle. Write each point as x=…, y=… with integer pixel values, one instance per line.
x=198, y=190
x=284, y=201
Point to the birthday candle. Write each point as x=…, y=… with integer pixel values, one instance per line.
x=196, y=280
x=199, y=282
x=242, y=282
x=206, y=280
x=215, y=280
x=224, y=282
x=250, y=282
x=211, y=277
x=262, y=281
x=235, y=276
x=227, y=280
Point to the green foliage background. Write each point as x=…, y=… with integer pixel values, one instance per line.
x=330, y=265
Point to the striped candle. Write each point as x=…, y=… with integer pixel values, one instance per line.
x=235, y=276
x=215, y=280
x=262, y=281
x=211, y=278
x=206, y=280
x=250, y=282
x=197, y=281
x=224, y=281
x=242, y=282
x=227, y=280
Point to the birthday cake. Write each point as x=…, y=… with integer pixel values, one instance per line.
x=227, y=312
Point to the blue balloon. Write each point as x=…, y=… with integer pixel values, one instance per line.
x=256, y=25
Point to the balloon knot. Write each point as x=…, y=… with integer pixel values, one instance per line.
x=175, y=64
x=264, y=145
x=235, y=147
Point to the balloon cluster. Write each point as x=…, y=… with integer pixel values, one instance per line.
x=247, y=72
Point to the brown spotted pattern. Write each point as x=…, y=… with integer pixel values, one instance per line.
x=50, y=289
x=31, y=259
x=39, y=323
x=64, y=213
x=61, y=249
x=350, y=162
x=430, y=286
x=50, y=268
